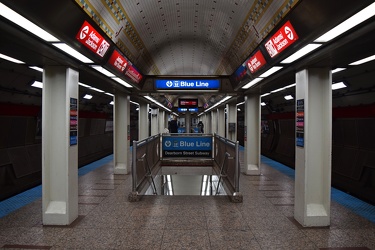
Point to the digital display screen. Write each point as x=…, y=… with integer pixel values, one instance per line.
x=188, y=103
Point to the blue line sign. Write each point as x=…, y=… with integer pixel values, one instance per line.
x=187, y=84
x=182, y=146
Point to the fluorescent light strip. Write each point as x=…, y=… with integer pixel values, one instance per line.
x=290, y=86
x=112, y=102
x=11, y=59
x=36, y=68
x=84, y=85
x=134, y=103
x=119, y=80
x=364, y=60
x=338, y=70
x=72, y=52
x=349, y=23
x=109, y=94
x=37, y=84
x=253, y=82
x=277, y=90
x=87, y=96
x=97, y=90
x=266, y=94
x=156, y=102
x=26, y=24
x=219, y=102
x=288, y=97
x=238, y=104
x=102, y=70
x=271, y=71
x=302, y=52
x=338, y=85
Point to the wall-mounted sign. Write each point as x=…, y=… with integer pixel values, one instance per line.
x=89, y=37
x=256, y=62
x=73, y=122
x=300, y=123
x=187, y=84
x=118, y=61
x=187, y=109
x=187, y=103
x=133, y=74
x=192, y=146
x=281, y=40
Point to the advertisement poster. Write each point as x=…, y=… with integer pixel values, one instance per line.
x=300, y=123
x=73, y=121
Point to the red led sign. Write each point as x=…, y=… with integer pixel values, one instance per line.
x=89, y=37
x=256, y=62
x=282, y=39
x=133, y=74
x=118, y=61
x=187, y=103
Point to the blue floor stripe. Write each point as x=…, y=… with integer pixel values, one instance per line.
x=354, y=204
x=13, y=203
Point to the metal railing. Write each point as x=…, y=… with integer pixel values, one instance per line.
x=145, y=164
x=226, y=157
x=148, y=156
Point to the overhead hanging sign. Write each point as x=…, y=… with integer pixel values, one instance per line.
x=187, y=109
x=281, y=40
x=192, y=146
x=118, y=61
x=133, y=74
x=89, y=37
x=256, y=62
x=187, y=84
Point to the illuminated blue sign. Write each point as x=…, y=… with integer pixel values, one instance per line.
x=187, y=84
x=181, y=146
x=187, y=109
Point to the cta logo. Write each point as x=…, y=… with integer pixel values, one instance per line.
x=169, y=84
x=84, y=32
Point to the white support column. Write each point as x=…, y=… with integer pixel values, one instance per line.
x=208, y=125
x=162, y=125
x=121, y=138
x=313, y=147
x=232, y=119
x=188, y=122
x=214, y=121
x=60, y=145
x=154, y=121
x=221, y=122
x=143, y=121
x=252, y=135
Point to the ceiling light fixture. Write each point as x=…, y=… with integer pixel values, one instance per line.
x=112, y=102
x=16, y=18
x=338, y=70
x=37, y=84
x=36, y=68
x=302, y=52
x=119, y=80
x=349, y=23
x=87, y=96
x=271, y=71
x=262, y=104
x=109, y=94
x=102, y=70
x=338, y=85
x=156, y=102
x=364, y=60
x=288, y=97
x=253, y=82
x=72, y=52
x=11, y=59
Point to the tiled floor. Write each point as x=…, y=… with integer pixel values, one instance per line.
x=108, y=221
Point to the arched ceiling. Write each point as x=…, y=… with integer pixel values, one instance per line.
x=186, y=37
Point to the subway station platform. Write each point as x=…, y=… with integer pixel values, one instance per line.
x=107, y=220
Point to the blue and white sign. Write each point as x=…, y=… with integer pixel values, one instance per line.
x=187, y=109
x=189, y=146
x=187, y=84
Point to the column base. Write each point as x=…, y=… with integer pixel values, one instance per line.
x=121, y=168
x=316, y=216
x=252, y=170
x=57, y=214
